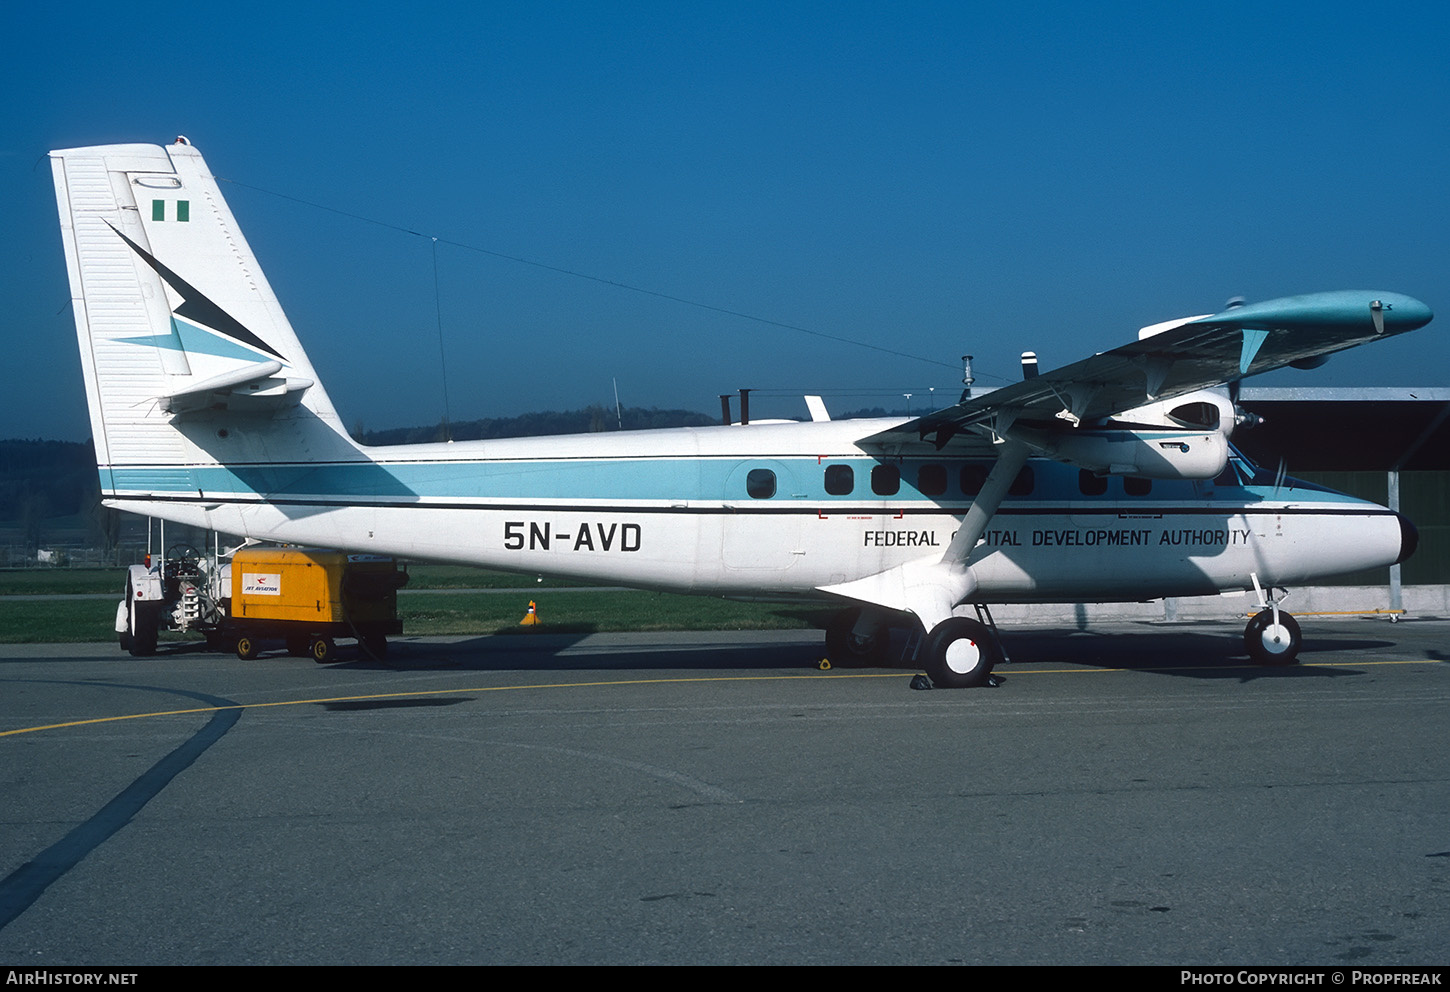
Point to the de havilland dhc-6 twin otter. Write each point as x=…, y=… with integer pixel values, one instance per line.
x=1111, y=479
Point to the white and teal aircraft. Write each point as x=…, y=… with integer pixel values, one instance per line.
x=1111, y=479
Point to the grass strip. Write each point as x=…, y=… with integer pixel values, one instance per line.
x=42, y=621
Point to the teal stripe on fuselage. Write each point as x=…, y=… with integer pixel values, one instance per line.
x=648, y=479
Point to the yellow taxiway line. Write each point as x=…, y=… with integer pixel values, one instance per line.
x=621, y=682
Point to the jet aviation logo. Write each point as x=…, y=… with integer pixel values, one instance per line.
x=197, y=308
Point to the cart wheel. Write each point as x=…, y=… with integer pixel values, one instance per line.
x=321, y=650
x=246, y=648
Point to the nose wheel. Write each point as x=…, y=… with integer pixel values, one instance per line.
x=1273, y=638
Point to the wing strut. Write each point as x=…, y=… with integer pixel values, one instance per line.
x=932, y=587
x=984, y=507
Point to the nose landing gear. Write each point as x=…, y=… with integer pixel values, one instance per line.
x=1272, y=636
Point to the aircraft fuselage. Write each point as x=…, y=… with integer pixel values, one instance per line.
x=774, y=510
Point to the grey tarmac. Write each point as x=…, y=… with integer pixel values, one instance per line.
x=1131, y=793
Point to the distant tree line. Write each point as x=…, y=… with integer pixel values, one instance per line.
x=48, y=476
x=43, y=480
x=588, y=420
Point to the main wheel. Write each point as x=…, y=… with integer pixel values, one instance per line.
x=1270, y=643
x=848, y=649
x=321, y=650
x=961, y=653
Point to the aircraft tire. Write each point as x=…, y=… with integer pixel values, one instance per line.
x=124, y=636
x=847, y=650
x=145, y=621
x=322, y=650
x=961, y=653
x=1271, y=645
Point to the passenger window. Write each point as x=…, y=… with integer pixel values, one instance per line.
x=760, y=483
x=840, y=480
x=1023, y=484
x=931, y=480
x=1091, y=485
x=886, y=480
x=1137, y=486
x=973, y=478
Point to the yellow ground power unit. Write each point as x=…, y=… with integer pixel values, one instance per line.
x=308, y=596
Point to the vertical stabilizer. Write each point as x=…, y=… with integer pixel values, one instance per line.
x=177, y=325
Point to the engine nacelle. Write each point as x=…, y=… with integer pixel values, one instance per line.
x=1203, y=409
x=1182, y=438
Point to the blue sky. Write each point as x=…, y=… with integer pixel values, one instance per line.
x=931, y=179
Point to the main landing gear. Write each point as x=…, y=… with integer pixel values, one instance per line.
x=959, y=653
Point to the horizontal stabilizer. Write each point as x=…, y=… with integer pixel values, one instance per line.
x=253, y=387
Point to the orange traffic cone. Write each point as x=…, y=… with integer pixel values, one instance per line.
x=531, y=618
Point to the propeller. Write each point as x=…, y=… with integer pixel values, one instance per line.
x=1242, y=418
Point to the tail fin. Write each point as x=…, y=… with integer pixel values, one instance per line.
x=180, y=334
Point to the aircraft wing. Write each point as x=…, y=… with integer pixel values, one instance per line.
x=1175, y=358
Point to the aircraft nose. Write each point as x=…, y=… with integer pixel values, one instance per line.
x=1409, y=537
